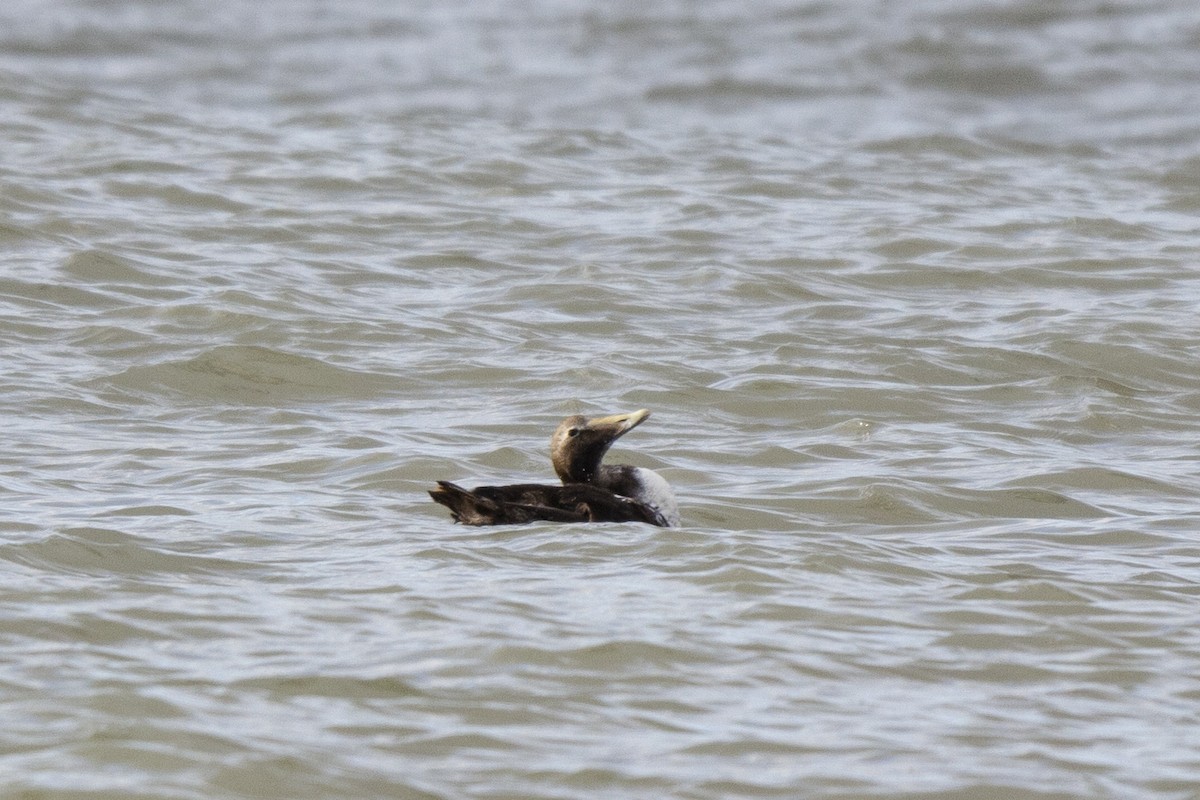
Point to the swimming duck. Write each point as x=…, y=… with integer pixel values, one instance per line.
x=590, y=492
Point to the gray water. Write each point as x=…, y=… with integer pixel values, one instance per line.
x=911, y=289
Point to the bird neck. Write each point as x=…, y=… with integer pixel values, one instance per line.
x=584, y=467
x=580, y=473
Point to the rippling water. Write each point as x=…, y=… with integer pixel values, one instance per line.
x=911, y=289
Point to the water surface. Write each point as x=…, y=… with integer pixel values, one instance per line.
x=910, y=289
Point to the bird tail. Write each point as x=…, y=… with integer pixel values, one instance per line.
x=463, y=504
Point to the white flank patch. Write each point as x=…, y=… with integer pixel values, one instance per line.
x=656, y=493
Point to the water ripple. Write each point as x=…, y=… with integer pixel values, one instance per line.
x=910, y=289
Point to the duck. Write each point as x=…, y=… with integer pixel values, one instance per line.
x=590, y=490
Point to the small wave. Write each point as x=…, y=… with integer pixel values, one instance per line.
x=340, y=686
x=103, y=551
x=1031, y=503
x=720, y=89
x=102, y=268
x=1104, y=479
x=248, y=375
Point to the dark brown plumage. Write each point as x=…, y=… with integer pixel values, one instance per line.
x=529, y=502
x=590, y=491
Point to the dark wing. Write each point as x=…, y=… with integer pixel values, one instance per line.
x=502, y=505
x=528, y=502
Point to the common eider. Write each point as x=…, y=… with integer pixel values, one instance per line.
x=590, y=491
